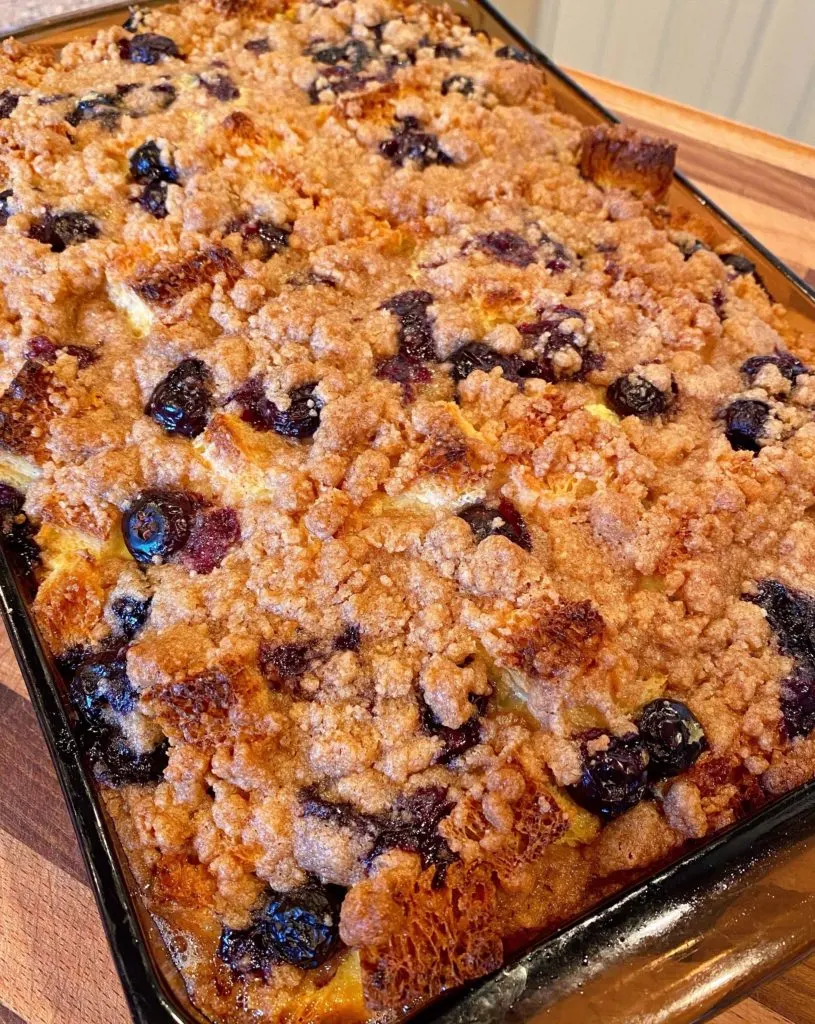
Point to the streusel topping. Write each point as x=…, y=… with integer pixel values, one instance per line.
x=419, y=515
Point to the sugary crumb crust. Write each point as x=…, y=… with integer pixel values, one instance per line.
x=351, y=648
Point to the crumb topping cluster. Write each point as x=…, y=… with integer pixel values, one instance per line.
x=418, y=512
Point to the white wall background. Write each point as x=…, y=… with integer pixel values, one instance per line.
x=750, y=60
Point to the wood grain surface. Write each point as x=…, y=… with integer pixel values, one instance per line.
x=55, y=967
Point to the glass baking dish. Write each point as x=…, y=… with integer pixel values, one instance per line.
x=676, y=947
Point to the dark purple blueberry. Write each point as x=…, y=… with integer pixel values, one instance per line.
x=745, y=421
x=673, y=736
x=797, y=700
x=247, y=950
x=404, y=370
x=413, y=825
x=348, y=640
x=116, y=764
x=281, y=665
x=157, y=524
x=59, y=230
x=477, y=356
x=444, y=52
x=103, y=107
x=45, y=351
x=265, y=239
x=353, y=52
x=5, y=213
x=182, y=402
x=17, y=532
x=513, y=53
x=166, y=94
x=147, y=165
x=100, y=686
x=337, y=812
x=791, y=615
x=257, y=46
x=153, y=199
x=503, y=520
x=688, y=248
x=614, y=779
x=507, y=247
x=455, y=741
x=147, y=48
x=300, y=420
x=717, y=300
x=131, y=614
x=458, y=83
x=338, y=79
x=8, y=103
x=220, y=87
x=303, y=925
x=415, y=326
x=738, y=263
x=788, y=366
x=633, y=395
x=408, y=142
x=134, y=19
x=213, y=534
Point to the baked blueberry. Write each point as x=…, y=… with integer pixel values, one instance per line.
x=791, y=615
x=513, y=53
x=797, y=700
x=477, y=356
x=5, y=213
x=153, y=199
x=300, y=420
x=502, y=519
x=413, y=825
x=147, y=48
x=247, y=950
x=103, y=107
x=17, y=532
x=785, y=362
x=281, y=665
x=100, y=686
x=264, y=239
x=182, y=402
x=508, y=247
x=405, y=370
x=462, y=84
x=131, y=614
x=633, y=395
x=220, y=87
x=303, y=925
x=157, y=524
x=8, y=103
x=213, y=534
x=614, y=779
x=409, y=142
x=116, y=764
x=353, y=52
x=455, y=741
x=673, y=736
x=59, y=230
x=257, y=46
x=348, y=640
x=415, y=325
x=442, y=51
x=146, y=164
x=738, y=263
x=745, y=421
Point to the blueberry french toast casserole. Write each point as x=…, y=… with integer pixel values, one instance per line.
x=418, y=511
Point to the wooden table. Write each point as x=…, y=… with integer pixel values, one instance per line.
x=55, y=967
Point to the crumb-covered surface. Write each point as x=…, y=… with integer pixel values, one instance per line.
x=420, y=518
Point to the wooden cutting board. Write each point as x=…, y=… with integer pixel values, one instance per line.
x=55, y=967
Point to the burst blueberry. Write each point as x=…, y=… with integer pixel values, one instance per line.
x=17, y=532
x=745, y=423
x=147, y=48
x=410, y=143
x=116, y=764
x=791, y=615
x=634, y=395
x=462, y=84
x=59, y=230
x=738, y=263
x=220, y=87
x=508, y=247
x=673, y=736
x=455, y=742
x=153, y=199
x=5, y=212
x=100, y=686
x=130, y=614
x=785, y=362
x=8, y=103
x=102, y=107
x=353, y=53
x=157, y=524
x=797, y=701
x=502, y=519
x=147, y=164
x=477, y=356
x=182, y=402
x=513, y=53
x=415, y=325
x=613, y=779
x=300, y=420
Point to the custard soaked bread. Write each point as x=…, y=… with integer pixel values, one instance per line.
x=420, y=516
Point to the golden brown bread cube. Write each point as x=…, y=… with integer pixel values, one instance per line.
x=616, y=156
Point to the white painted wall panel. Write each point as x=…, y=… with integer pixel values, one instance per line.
x=752, y=60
